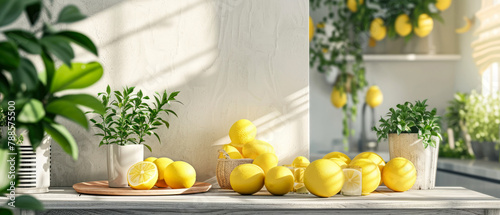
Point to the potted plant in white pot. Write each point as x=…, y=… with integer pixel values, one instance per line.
x=411, y=129
x=128, y=119
x=482, y=120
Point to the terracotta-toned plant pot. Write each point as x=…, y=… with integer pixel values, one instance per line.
x=224, y=169
x=424, y=159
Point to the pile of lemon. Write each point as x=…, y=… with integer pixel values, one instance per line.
x=326, y=177
x=161, y=172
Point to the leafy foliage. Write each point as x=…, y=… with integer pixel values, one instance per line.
x=36, y=104
x=340, y=34
x=128, y=118
x=482, y=117
x=455, y=120
x=410, y=118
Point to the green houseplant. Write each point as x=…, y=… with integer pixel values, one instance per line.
x=410, y=129
x=349, y=26
x=482, y=121
x=38, y=98
x=127, y=120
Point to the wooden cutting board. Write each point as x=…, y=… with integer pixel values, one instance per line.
x=102, y=188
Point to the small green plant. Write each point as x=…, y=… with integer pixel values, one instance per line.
x=410, y=118
x=482, y=117
x=455, y=120
x=128, y=118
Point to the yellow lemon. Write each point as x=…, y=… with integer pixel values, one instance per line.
x=242, y=132
x=279, y=180
x=323, y=178
x=353, y=5
x=370, y=174
x=425, y=25
x=247, y=179
x=300, y=161
x=339, y=162
x=374, y=96
x=161, y=164
x=338, y=99
x=256, y=148
x=180, y=174
x=340, y=155
x=150, y=159
x=374, y=157
x=142, y=175
x=377, y=29
x=443, y=4
x=311, y=29
x=399, y=174
x=403, y=25
x=231, y=151
x=353, y=182
x=266, y=161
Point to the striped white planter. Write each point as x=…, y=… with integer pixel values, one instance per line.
x=34, y=167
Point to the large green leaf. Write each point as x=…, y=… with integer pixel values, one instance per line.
x=35, y=134
x=85, y=100
x=4, y=84
x=25, y=76
x=81, y=75
x=25, y=40
x=79, y=39
x=32, y=112
x=70, y=14
x=9, y=57
x=9, y=11
x=29, y=203
x=59, y=47
x=50, y=70
x=62, y=136
x=68, y=110
x=33, y=12
x=6, y=211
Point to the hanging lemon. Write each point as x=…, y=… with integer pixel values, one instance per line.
x=374, y=96
x=339, y=155
x=242, y=132
x=339, y=99
x=370, y=174
x=377, y=29
x=353, y=5
x=311, y=29
x=323, y=178
x=425, y=25
x=443, y=4
x=399, y=174
x=403, y=25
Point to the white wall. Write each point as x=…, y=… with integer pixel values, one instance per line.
x=436, y=81
x=230, y=60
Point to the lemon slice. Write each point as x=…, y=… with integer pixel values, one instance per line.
x=142, y=175
x=353, y=182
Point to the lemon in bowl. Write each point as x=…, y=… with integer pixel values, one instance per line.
x=142, y=175
x=256, y=148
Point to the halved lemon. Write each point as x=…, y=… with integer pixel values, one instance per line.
x=353, y=181
x=142, y=175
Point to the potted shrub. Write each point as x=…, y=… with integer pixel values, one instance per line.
x=128, y=119
x=411, y=129
x=482, y=120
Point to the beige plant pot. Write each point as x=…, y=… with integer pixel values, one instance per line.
x=425, y=159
